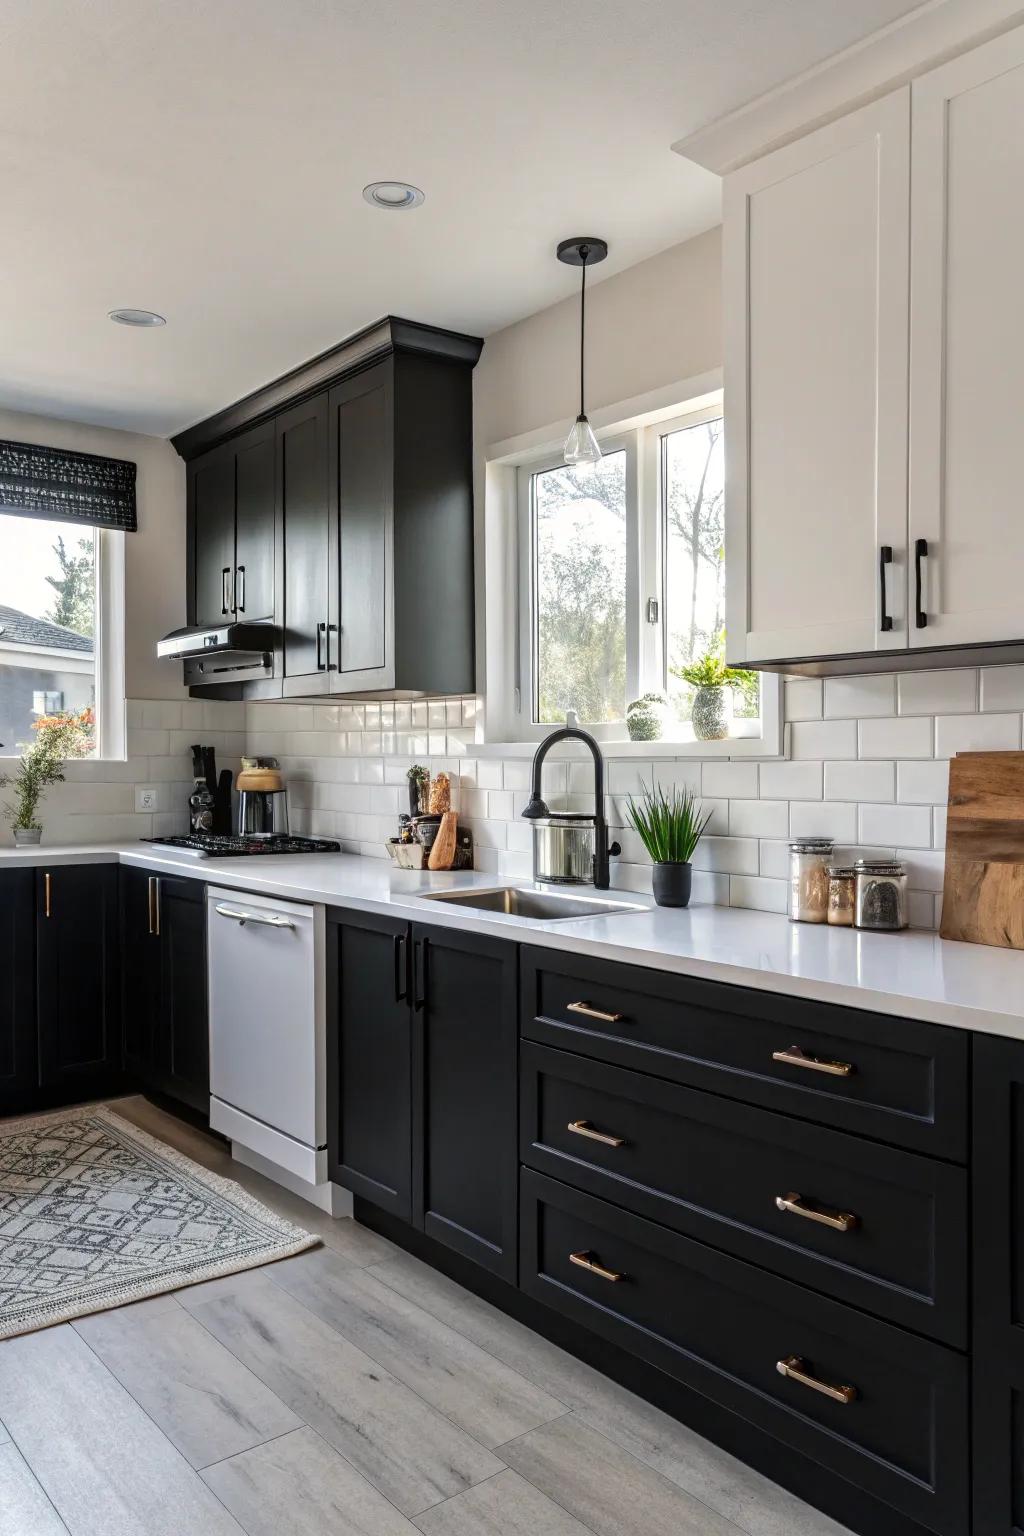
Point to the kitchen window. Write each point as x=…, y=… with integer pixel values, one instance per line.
x=621, y=584
x=61, y=628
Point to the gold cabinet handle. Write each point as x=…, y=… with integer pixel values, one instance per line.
x=586, y=1260
x=584, y=1128
x=839, y=1221
x=795, y=1367
x=46, y=893
x=154, y=905
x=795, y=1057
x=594, y=1013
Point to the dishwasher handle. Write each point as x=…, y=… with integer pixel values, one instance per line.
x=268, y=919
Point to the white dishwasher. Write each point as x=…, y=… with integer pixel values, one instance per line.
x=268, y=1034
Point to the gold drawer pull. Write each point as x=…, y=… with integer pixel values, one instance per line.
x=584, y=1128
x=795, y=1057
x=594, y=1013
x=46, y=889
x=795, y=1367
x=586, y=1260
x=839, y=1221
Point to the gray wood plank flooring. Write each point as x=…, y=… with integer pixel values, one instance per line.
x=350, y=1391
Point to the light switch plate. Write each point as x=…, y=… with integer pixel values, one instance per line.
x=146, y=797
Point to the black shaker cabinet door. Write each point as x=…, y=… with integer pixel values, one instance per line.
x=369, y=1104
x=361, y=455
x=998, y=1248
x=464, y=1094
x=18, y=1056
x=183, y=1030
x=302, y=516
x=140, y=970
x=253, y=577
x=211, y=491
x=77, y=981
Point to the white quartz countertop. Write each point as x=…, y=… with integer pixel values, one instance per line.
x=913, y=974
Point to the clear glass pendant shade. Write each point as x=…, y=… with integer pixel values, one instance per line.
x=581, y=446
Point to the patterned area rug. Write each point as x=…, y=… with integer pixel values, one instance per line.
x=95, y=1213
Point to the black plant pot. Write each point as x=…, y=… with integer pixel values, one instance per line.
x=672, y=884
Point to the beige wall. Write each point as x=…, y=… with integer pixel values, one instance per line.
x=648, y=326
x=154, y=557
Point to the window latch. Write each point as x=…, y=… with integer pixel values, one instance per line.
x=652, y=610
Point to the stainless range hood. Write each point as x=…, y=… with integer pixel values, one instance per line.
x=253, y=642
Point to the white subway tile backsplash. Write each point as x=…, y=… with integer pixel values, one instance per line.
x=976, y=733
x=1002, y=688
x=791, y=781
x=499, y=804
x=939, y=827
x=733, y=781
x=823, y=819
x=895, y=738
x=758, y=893
x=938, y=693
x=489, y=774
x=759, y=818
x=727, y=855
x=924, y=870
x=860, y=781
x=849, y=697
x=820, y=739
x=774, y=860
x=909, y=826
x=922, y=783
x=803, y=699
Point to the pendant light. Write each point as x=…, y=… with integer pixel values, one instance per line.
x=581, y=446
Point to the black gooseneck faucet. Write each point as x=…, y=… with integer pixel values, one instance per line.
x=537, y=806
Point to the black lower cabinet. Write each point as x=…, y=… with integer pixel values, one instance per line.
x=77, y=979
x=422, y=1080
x=369, y=1061
x=164, y=986
x=998, y=1244
x=19, y=1057
x=876, y=1405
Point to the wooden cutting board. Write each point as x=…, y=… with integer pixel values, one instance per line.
x=983, y=889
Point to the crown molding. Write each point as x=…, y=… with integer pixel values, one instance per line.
x=928, y=36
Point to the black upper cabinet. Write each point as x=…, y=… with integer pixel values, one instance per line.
x=166, y=1025
x=77, y=977
x=231, y=507
x=369, y=1061
x=304, y=540
x=339, y=502
x=18, y=1054
x=464, y=1094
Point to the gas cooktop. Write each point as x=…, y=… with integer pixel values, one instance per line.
x=210, y=845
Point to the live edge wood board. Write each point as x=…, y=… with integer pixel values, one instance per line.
x=983, y=890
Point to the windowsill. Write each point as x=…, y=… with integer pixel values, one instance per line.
x=734, y=746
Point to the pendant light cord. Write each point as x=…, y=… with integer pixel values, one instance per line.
x=584, y=253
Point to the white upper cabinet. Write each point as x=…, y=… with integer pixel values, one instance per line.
x=816, y=256
x=967, y=347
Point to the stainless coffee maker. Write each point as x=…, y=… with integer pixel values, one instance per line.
x=262, y=798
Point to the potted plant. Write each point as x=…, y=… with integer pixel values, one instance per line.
x=713, y=698
x=58, y=738
x=645, y=717
x=670, y=827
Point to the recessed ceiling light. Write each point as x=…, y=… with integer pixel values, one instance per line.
x=393, y=195
x=137, y=317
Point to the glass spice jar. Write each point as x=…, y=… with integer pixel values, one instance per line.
x=809, y=859
x=881, y=896
x=842, y=888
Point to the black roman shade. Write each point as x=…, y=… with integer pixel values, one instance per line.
x=64, y=486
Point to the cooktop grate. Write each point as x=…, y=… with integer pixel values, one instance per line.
x=207, y=845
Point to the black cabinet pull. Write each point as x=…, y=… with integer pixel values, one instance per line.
x=884, y=559
x=321, y=631
x=332, y=629
x=419, y=967
x=401, y=969
x=920, y=553
x=224, y=598
x=240, y=571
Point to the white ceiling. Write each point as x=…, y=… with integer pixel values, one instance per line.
x=205, y=158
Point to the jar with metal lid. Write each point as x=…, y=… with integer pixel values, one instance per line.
x=881, y=896
x=563, y=849
x=809, y=859
x=842, y=892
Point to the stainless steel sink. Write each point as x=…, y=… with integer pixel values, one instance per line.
x=540, y=905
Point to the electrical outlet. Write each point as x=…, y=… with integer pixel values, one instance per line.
x=146, y=797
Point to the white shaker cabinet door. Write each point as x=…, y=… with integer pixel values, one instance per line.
x=816, y=258
x=967, y=348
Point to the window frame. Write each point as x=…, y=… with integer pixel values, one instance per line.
x=108, y=649
x=646, y=642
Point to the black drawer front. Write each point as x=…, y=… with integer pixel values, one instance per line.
x=714, y=1169
x=905, y=1083
x=722, y=1326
